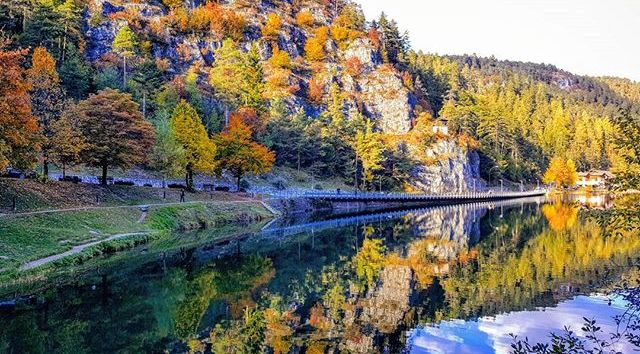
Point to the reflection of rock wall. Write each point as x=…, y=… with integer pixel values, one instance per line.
x=455, y=228
x=383, y=312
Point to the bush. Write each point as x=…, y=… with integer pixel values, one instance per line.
x=318, y=187
x=124, y=183
x=280, y=184
x=271, y=29
x=244, y=184
x=304, y=19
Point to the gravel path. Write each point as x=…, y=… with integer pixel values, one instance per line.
x=74, y=250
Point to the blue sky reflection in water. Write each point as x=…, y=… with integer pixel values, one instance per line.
x=346, y=283
x=490, y=335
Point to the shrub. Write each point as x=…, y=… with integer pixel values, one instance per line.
x=271, y=29
x=173, y=4
x=280, y=59
x=123, y=183
x=316, y=90
x=354, y=66
x=304, y=19
x=280, y=184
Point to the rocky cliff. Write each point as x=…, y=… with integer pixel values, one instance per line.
x=449, y=167
x=371, y=88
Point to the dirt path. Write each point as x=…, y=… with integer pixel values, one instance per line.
x=74, y=250
x=50, y=211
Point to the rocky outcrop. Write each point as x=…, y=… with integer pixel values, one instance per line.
x=382, y=312
x=386, y=100
x=447, y=167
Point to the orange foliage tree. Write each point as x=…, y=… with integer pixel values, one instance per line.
x=239, y=154
x=19, y=131
x=46, y=98
x=316, y=90
x=114, y=130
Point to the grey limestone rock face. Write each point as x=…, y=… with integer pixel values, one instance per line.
x=454, y=169
x=386, y=100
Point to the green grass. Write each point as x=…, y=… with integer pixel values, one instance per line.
x=34, y=195
x=30, y=237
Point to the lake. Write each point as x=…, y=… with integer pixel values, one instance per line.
x=447, y=279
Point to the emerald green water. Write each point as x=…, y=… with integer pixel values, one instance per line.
x=368, y=284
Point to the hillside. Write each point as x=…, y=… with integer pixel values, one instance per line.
x=322, y=88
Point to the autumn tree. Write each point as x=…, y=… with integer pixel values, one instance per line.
x=314, y=48
x=190, y=133
x=304, y=19
x=227, y=75
x=562, y=173
x=168, y=154
x=19, y=130
x=125, y=43
x=46, y=98
x=237, y=77
x=369, y=150
x=348, y=26
x=271, y=29
x=239, y=154
x=67, y=142
x=115, y=132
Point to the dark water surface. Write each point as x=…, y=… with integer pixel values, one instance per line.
x=439, y=280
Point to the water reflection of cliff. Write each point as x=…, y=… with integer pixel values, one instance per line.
x=356, y=287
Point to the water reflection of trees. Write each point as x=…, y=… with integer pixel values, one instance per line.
x=352, y=289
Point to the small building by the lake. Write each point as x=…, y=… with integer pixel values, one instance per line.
x=440, y=126
x=594, y=179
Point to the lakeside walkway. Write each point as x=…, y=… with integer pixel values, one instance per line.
x=409, y=197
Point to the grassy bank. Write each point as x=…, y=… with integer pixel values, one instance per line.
x=25, y=238
x=33, y=195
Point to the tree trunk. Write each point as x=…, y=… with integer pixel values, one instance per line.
x=124, y=72
x=144, y=104
x=104, y=175
x=189, y=179
x=298, y=160
x=45, y=168
x=226, y=116
x=239, y=177
x=356, y=172
x=64, y=170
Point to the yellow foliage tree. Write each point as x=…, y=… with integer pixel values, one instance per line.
x=190, y=133
x=304, y=19
x=280, y=59
x=314, y=48
x=369, y=149
x=271, y=29
x=562, y=173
